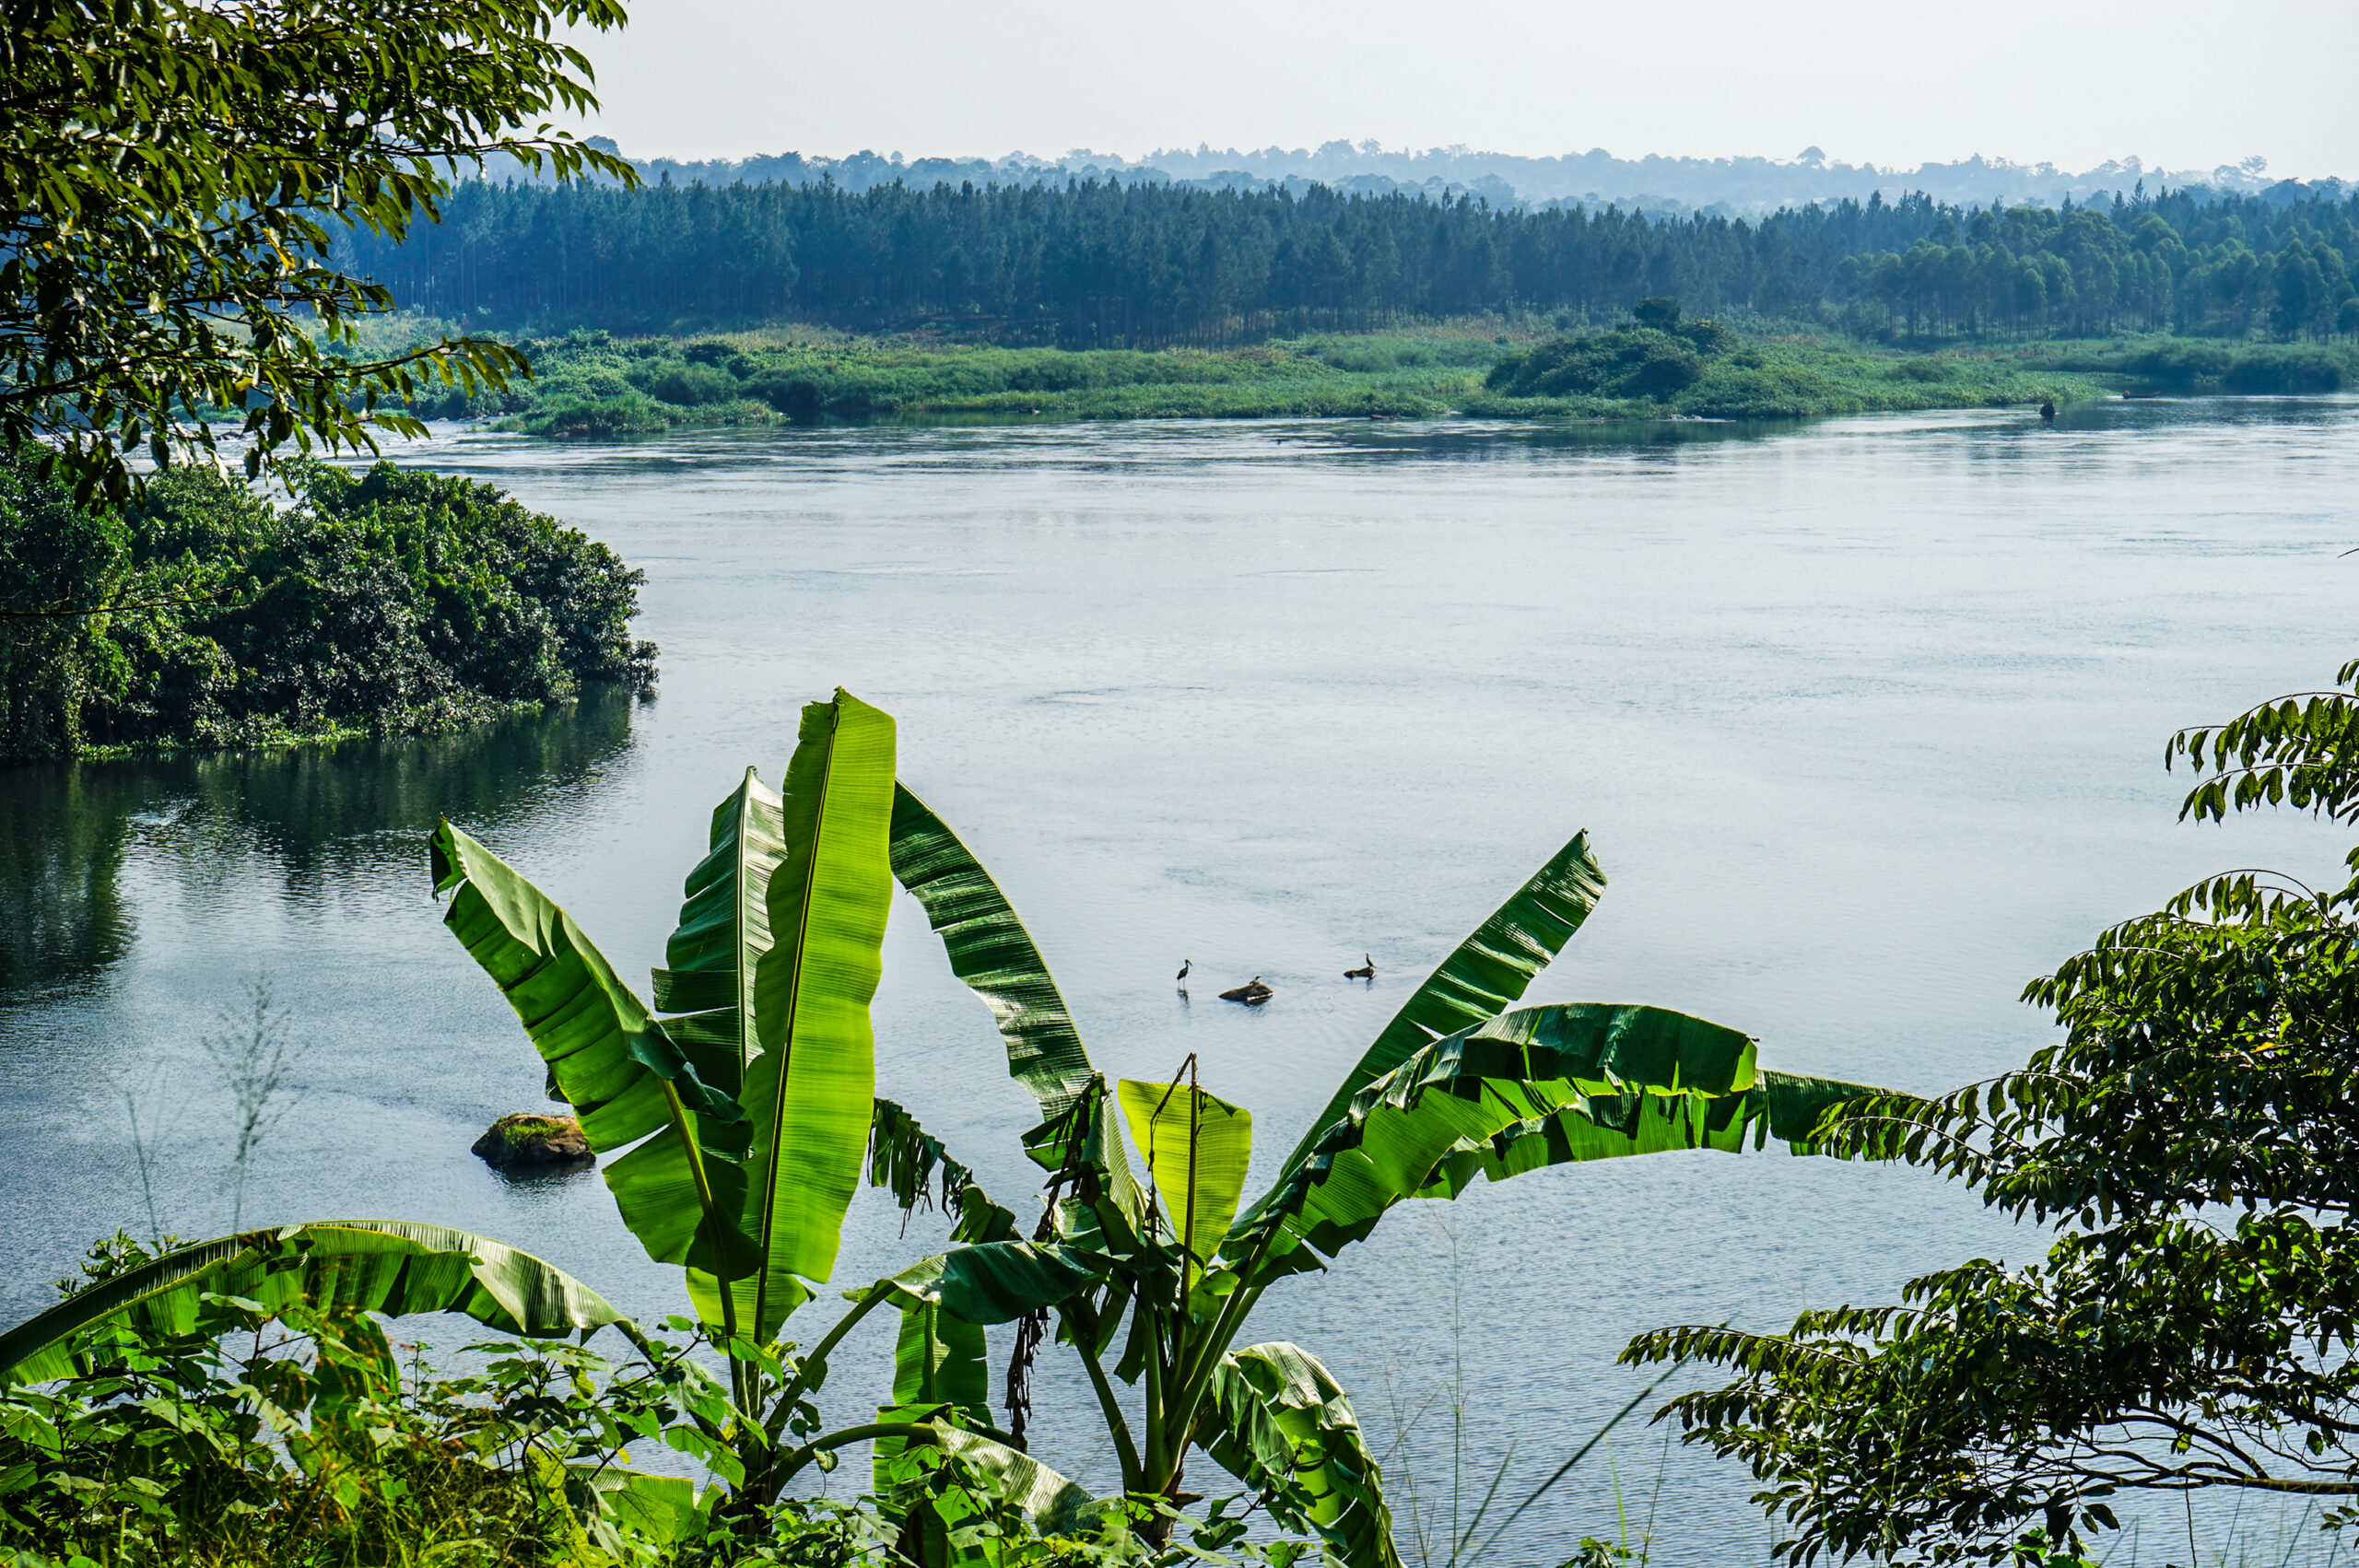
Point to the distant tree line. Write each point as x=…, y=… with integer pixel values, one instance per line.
x=2175, y=263
x=1104, y=264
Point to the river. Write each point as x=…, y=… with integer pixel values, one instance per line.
x=1865, y=719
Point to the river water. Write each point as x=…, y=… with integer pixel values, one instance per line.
x=1865, y=720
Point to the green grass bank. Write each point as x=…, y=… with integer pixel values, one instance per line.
x=593, y=384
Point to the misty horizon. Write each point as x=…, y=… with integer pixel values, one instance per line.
x=1743, y=185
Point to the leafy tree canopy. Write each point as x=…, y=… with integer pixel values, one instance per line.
x=394, y=602
x=2196, y=1136
x=173, y=175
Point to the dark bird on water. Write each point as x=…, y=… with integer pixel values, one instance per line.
x=1185, y=964
x=1366, y=971
x=1253, y=993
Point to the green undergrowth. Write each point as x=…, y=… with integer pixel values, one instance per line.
x=306, y=1438
x=593, y=385
x=2198, y=366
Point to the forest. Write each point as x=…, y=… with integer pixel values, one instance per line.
x=1095, y=265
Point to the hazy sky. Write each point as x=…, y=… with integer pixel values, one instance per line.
x=2179, y=83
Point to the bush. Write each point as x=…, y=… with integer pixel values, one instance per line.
x=631, y=413
x=1658, y=358
x=691, y=385
x=393, y=601
x=2302, y=369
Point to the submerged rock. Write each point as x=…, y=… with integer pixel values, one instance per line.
x=526, y=1141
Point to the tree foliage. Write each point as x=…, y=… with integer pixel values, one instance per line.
x=1095, y=263
x=175, y=174
x=394, y=602
x=2195, y=1135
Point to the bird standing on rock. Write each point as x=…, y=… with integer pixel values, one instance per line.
x=1365, y=972
x=1253, y=993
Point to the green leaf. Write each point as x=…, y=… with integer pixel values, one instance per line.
x=611, y=1061
x=938, y=1360
x=990, y=950
x=664, y=1510
x=1480, y=978
x=1540, y=1085
x=395, y=1266
x=724, y=930
x=1279, y=1422
x=679, y=1192
x=810, y=1095
x=1055, y=1505
x=1197, y=1148
x=913, y=1164
x=995, y=1283
x=938, y=1367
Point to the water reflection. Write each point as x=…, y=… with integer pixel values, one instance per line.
x=307, y=814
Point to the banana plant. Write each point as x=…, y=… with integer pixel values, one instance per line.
x=735, y=1109
x=1459, y=1085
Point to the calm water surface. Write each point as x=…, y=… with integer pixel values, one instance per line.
x=1865, y=720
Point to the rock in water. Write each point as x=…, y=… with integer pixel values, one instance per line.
x=526, y=1141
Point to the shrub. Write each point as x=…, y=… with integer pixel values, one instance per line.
x=693, y=384
x=1657, y=358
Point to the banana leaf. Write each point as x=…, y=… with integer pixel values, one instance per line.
x=937, y=1364
x=394, y=1267
x=1197, y=1147
x=1779, y=1105
x=657, y=1510
x=938, y=1360
x=914, y=1165
x=1594, y=1080
x=1056, y=1506
x=1278, y=1421
x=810, y=1093
x=724, y=930
x=1480, y=978
x=994, y=1283
x=611, y=1061
x=991, y=951
x=681, y=1191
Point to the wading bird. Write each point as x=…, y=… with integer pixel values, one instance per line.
x=1185, y=964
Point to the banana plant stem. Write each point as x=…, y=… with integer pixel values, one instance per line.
x=1126, y=1446
x=915, y=1432
x=1156, y=1456
x=741, y=1379
x=815, y=1365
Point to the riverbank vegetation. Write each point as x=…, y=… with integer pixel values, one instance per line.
x=201, y=614
x=593, y=384
x=1104, y=264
